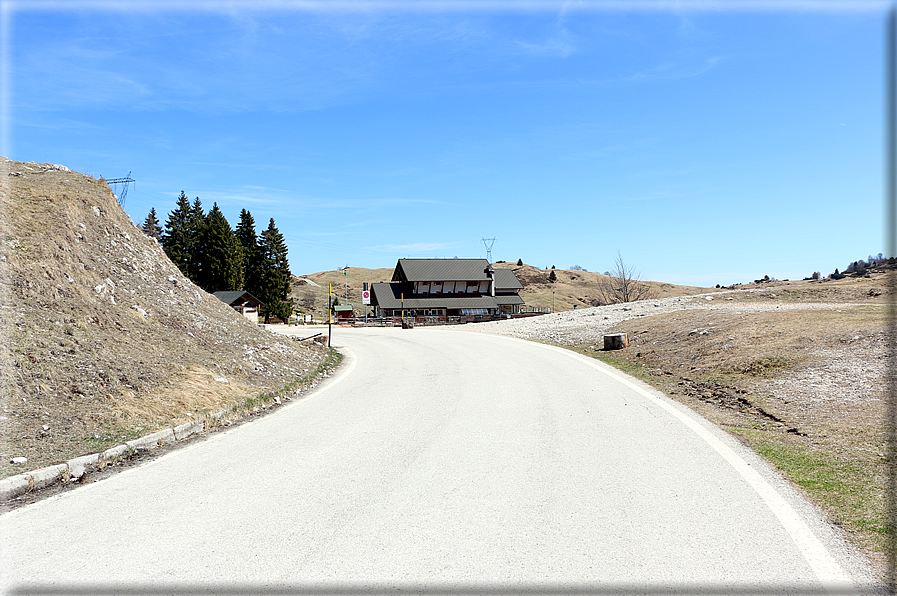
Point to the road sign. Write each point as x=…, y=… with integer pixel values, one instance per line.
x=366, y=297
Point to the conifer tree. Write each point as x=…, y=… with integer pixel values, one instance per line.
x=274, y=274
x=196, y=223
x=177, y=238
x=249, y=242
x=222, y=256
x=151, y=225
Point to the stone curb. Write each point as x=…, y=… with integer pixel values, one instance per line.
x=15, y=486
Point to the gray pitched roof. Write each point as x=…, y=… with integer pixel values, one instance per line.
x=441, y=270
x=238, y=297
x=506, y=280
x=509, y=299
x=390, y=296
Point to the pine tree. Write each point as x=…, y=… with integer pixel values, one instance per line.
x=520, y=262
x=177, y=238
x=552, y=277
x=248, y=240
x=196, y=223
x=151, y=225
x=274, y=274
x=222, y=255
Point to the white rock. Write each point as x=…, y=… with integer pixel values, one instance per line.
x=97, y=210
x=18, y=460
x=222, y=380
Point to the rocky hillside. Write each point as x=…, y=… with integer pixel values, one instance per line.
x=103, y=339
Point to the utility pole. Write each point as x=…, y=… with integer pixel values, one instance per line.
x=329, y=314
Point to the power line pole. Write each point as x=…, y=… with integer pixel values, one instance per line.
x=124, y=191
x=488, y=242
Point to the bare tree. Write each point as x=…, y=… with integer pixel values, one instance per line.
x=623, y=284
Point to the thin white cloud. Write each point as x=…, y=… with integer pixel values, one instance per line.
x=363, y=224
x=555, y=47
x=376, y=203
x=427, y=248
x=669, y=71
x=59, y=124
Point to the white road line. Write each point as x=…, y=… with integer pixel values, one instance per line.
x=830, y=574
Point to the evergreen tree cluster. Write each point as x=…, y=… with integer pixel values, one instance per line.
x=862, y=267
x=218, y=258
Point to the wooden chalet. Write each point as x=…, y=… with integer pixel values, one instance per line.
x=243, y=302
x=447, y=288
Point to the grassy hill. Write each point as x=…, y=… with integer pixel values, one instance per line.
x=571, y=289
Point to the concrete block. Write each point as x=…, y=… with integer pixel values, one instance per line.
x=79, y=465
x=12, y=487
x=46, y=476
x=152, y=441
x=188, y=428
x=114, y=452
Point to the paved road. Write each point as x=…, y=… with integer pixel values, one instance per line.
x=439, y=460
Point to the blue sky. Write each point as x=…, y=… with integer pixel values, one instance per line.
x=712, y=142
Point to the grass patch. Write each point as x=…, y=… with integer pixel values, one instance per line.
x=765, y=367
x=851, y=494
x=263, y=400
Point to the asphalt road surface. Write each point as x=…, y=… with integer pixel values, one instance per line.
x=440, y=461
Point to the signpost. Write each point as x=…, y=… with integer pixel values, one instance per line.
x=366, y=301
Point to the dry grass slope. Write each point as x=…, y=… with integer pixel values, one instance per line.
x=103, y=338
x=578, y=288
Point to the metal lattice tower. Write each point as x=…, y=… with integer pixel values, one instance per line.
x=488, y=242
x=124, y=191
